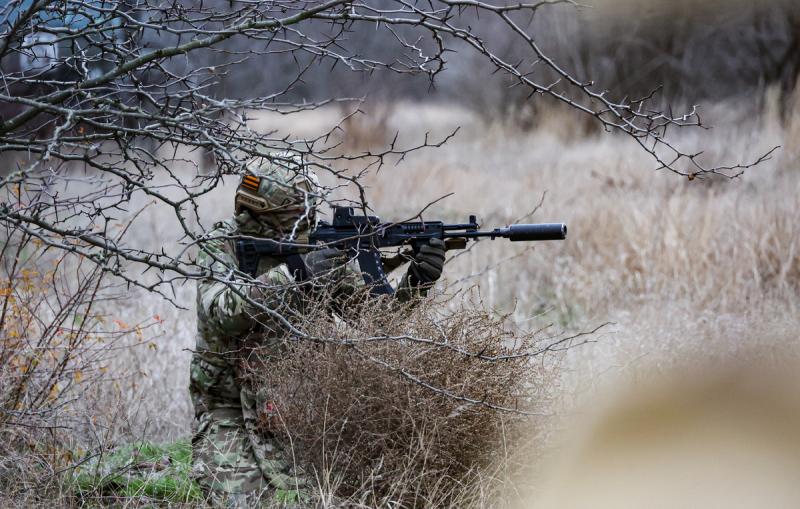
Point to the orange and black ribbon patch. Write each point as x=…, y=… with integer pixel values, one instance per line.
x=251, y=182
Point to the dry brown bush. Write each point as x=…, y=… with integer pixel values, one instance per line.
x=56, y=343
x=407, y=406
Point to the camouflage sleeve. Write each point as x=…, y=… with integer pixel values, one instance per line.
x=218, y=298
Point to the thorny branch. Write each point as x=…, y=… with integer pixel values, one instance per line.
x=105, y=102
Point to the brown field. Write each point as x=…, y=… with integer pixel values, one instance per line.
x=686, y=272
x=681, y=268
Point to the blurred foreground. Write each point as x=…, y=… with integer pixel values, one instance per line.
x=717, y=437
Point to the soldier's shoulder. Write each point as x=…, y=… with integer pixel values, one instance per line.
x=217, y=241
x=225, y=226
x=222, y=230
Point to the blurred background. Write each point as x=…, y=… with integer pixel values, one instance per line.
x=691, y=51
x=695, y=275
x=685, y=271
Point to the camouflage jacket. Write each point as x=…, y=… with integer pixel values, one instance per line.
x=225, y=317
x=230, y=451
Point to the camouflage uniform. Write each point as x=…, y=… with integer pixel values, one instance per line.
x=229, y=454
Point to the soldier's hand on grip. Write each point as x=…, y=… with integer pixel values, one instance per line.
x=260, y=288
x=428, y=263
x=324, y=261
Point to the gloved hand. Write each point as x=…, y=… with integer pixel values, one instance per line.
x=273, y=290
x=259, y=288
x=427, y=265
x=324, y=261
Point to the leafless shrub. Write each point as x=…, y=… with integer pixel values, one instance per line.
x=406, y=406
x=55, y=348
x=692, y=52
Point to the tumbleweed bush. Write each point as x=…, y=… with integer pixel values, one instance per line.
x=407, y=406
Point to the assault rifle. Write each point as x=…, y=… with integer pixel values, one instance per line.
x=362, y=237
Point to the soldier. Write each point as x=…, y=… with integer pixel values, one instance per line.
x=277, y=198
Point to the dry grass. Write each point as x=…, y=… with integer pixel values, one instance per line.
x=407, y=407
x=701, y=269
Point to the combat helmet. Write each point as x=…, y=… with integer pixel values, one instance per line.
x=279, y=189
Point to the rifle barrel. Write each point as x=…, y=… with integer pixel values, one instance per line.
x=519, y=232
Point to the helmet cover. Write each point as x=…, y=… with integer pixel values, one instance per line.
x=280, y=189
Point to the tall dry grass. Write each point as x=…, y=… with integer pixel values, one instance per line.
x=639, y=240
x=701, y=269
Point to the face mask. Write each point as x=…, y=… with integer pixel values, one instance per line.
x=286, y=223
x=275, y=224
